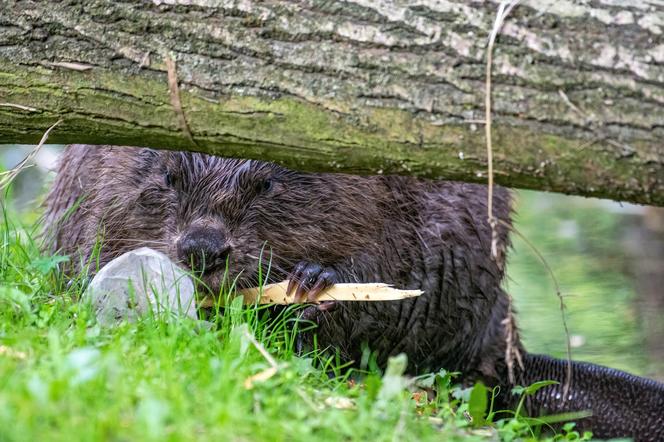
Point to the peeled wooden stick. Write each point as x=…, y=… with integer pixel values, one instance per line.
x=276, y=294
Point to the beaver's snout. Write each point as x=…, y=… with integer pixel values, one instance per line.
x=204, y=248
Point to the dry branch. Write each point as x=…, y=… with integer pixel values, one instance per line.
x=276, y=294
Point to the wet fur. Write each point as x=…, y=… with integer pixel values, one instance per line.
x=429, y=235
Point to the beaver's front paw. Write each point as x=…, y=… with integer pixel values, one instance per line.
x=310, y=279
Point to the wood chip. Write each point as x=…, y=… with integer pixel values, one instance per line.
x=259, y=377
x=19, y=106
x=276, y=294
x=340, y=403
x=10, y=352
x=68, y=65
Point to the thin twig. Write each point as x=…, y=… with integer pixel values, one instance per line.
x=19, y=106
x=80, y=67
x=145, y=61
x=512, y=351
x=571, y=105
x=174, y=91
x=504, y=9
x=594, y=125
x=314, y=407
x=568, y=380
x=7, y=177
x=268, y=357
x=265, y=374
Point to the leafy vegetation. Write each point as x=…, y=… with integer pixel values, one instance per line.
x=63, y=377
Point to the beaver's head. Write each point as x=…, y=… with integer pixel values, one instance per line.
x=229, y=218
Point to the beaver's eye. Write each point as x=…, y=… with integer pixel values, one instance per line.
x=263, y=186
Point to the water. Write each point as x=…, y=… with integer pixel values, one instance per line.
x=582, y=241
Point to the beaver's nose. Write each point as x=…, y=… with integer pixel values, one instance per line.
x=204, y=248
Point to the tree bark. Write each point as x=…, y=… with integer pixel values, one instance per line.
x=358, y=86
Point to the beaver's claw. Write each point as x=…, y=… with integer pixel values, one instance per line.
x=310, y=279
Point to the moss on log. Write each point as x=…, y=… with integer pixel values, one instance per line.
x=361, y=87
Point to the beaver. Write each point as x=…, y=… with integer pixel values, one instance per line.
x=228, y=218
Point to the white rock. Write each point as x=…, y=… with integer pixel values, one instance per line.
x=140, y=282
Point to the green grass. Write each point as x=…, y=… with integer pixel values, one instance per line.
x=63, y=377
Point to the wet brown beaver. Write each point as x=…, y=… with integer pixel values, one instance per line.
x=220, y=215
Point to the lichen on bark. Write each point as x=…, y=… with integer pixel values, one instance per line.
x=364, y=88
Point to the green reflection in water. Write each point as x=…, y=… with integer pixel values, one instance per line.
x=580, y=239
